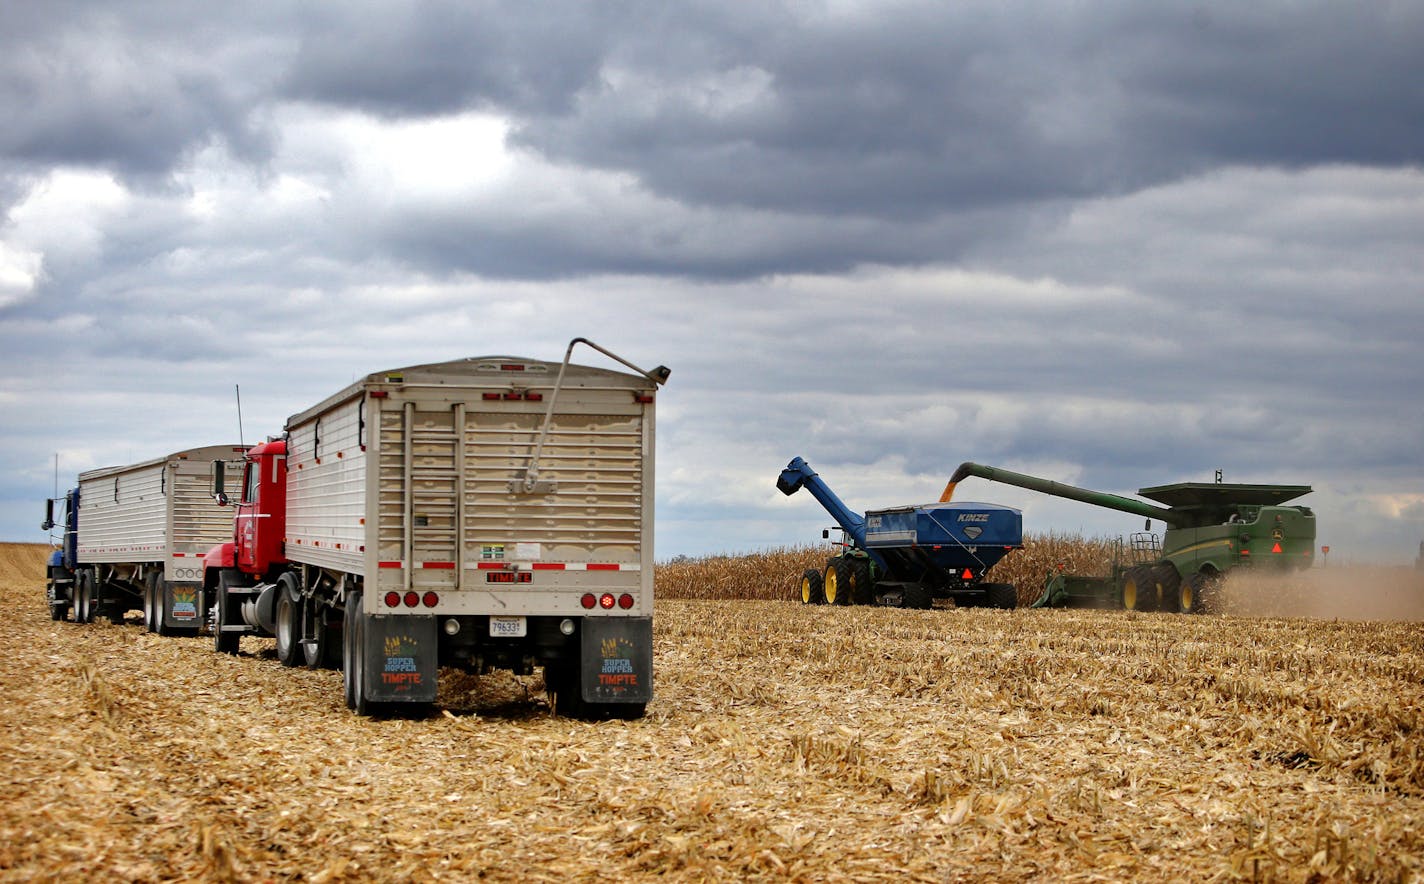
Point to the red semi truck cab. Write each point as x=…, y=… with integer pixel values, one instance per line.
x=259, y=515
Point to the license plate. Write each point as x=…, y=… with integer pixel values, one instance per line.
x=507, y=627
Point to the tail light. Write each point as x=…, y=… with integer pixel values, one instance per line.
x=606, y=601
x=392, y=600
x=430, y=599
x=625, y=601
x=412, y=599
x=588, y=601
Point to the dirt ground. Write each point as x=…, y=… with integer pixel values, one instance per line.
x=784, y=743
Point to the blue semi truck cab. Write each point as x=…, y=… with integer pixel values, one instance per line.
x=60, y=568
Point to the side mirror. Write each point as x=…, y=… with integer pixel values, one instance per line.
x=48, y=523
x=217, y=476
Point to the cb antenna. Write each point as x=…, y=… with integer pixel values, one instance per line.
x=237, y=388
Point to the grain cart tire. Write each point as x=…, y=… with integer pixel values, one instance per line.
x=1139, y=589
x=321, y=640
x=288, y=622
x=1001, y=595
x=812, y=592
x=917, y=596
x=224, y=642
x=859, y=588
x=836, y=581
x=158, y=589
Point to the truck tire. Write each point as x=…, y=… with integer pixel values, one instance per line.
x=158, y=590
x=1003, y=596
x=1139, y=589
x=321, y=640
x=835, y=581
x=917, y=597
x=812, y=592
x=224, y=642
x=566, y=698
x=288, y=622
x=859, y=589
x=353, y=658
x=84, y=597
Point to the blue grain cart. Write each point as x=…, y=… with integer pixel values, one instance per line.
x=909, y=556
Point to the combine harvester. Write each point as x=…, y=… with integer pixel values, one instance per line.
x=1212, y=529
x=909, y=556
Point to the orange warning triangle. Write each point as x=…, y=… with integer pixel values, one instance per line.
x=1276, y=548
x=968, y=574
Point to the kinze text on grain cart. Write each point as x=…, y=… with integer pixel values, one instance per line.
x=909, y=556
x=1212, y=529
x=134, y=537
x=492, y=512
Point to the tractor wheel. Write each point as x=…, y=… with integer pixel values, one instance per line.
x=1139, y=589
x=1001, y=595
x=917, y=596
x=84, y=597
x=1169, y=586
x=836, y=581
x=858, y=584
x=812, y=592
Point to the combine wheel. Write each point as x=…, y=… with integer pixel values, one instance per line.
x=1001, y=595
x=1169, y=585
x=917, y=596
x=812, y=592
x=858, y=586
x=1197, y=593
x=836, y=581
x=1139, y=589
x=224, y=642
x=288, y=622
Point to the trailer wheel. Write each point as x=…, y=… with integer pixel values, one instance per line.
x=159, y=590
x=353, y=658
x=288, y=622
x=858, y=587
x=223, y=642
x=317, y=639
x=917, y=596
x=84, y=597
x=1139, y=589
x=836, y=582
x=1001, y=595
x=566, y=698
x=148, y=606
x=812, y=592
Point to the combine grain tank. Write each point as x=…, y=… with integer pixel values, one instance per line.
x=135, y=537
x=491, y=512
x=1212, y=529
x=909, y=556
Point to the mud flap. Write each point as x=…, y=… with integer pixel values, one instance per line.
x=401, y=659
x=617, y=659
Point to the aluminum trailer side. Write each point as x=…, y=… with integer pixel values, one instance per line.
x=140, y=534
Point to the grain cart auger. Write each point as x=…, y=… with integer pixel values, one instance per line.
x=909, y=556
x=1212, y=528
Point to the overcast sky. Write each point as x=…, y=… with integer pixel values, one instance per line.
x=1116, y=244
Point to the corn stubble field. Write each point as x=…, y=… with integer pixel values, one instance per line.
x=785, y=742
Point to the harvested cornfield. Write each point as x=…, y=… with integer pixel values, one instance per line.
x=775, y=574
x=785, y=742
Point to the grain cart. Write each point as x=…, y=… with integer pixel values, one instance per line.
x=134, y=538
x=491, y=512
x=1212, y=528
x=909, y=556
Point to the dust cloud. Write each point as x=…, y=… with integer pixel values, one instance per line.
x=1343, y=593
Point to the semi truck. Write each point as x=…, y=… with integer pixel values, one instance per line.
x=489, y=512
x=134, y=536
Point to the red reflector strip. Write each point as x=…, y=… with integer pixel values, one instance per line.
x=441, y=566
x=491, y=566
x=379, y=394
x=533, y=397
x=509, y=366
x=390, y=564
x=548, y=566
x=601, y=566
x=490, y=397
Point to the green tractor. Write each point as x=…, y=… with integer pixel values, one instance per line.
x=1212, y=529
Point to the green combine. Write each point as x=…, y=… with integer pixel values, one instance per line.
x=1212, y=529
